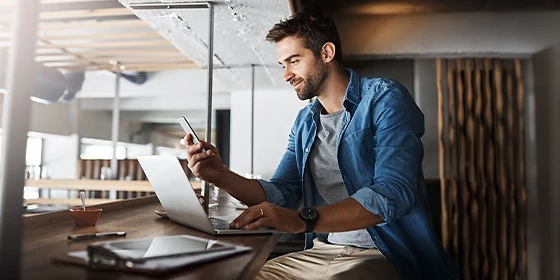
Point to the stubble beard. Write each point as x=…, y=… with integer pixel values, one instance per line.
x=310, y=86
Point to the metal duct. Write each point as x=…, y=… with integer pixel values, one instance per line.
x=74, y=82
x=57, y=87
x=51, y=83
x=135, y=77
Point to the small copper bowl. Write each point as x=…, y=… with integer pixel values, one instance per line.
x=85, y=218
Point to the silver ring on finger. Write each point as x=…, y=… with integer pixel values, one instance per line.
x=262, y=213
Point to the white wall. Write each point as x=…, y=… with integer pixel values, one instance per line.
x=59, y=119
x=498, y=34
x=425, y=90
x=60, y=154
x=275, y=113
x=52, y=118
x=177, y=83
x=97, y=125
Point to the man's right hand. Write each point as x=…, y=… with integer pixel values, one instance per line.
x=206, y=165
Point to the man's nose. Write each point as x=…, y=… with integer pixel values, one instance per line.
x=288, y=75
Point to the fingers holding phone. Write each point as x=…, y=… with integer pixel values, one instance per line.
x=205, y=165
x=192, y=147
x=203, y=158
x=198, y=147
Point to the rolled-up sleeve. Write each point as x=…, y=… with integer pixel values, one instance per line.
x=376, y=204
x=284, y=188
x=398, y=126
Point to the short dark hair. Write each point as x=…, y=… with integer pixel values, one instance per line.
x=313, y=27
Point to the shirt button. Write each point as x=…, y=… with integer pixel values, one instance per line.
x=307, y=150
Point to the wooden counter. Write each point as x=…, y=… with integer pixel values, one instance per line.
x=45, y=236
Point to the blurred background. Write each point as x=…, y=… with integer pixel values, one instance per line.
x=485, y=74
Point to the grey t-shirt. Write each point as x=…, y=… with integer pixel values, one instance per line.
x=323, y=164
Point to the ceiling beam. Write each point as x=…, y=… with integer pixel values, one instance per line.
x=66, y=44
x=70, y=5
x=85, y=13
x=102, y=36
x=147, y=63
x=69, y=1
x=122, y=59
x=93, y=25
x=148, y=67
x=162, y=68
x=98, y=14
x=59, y=1
x=120, y=51
x=79, y=5
x=110, y=44
x=145, y=36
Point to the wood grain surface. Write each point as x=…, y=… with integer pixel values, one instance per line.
x=45, y=237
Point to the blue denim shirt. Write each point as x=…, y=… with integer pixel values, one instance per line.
x=380, y=158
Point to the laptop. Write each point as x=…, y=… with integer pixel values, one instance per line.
x=176, y=195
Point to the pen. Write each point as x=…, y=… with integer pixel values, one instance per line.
x=94, y=235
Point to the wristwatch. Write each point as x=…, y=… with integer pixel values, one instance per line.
x=310, y=216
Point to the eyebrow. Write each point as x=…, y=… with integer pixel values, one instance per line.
x=289, y=57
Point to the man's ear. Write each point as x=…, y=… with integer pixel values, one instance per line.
x=327, y=52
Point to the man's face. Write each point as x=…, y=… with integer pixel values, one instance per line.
x=305, y=72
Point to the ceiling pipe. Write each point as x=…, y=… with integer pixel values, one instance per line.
x=252, y=119
x=195, y=5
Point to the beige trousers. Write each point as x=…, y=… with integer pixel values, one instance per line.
x=329, y=261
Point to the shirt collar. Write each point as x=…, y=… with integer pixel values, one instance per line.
x=353, y=94
x=351, y=97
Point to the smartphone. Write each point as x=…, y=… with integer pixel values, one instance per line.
x=189, y=130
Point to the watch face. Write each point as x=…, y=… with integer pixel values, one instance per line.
x=309, y=213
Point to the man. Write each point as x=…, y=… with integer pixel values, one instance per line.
x=354, y=158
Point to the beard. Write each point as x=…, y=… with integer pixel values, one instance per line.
x=310, y=86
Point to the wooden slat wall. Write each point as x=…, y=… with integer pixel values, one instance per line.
x=482, y=166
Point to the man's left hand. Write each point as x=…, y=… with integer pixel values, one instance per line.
x=269, y=215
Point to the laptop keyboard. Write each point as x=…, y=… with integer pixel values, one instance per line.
x=219, y=223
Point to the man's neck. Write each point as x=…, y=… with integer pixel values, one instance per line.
x=331, y=94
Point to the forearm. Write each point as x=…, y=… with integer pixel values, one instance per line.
x=248, y=191
x=346, y=215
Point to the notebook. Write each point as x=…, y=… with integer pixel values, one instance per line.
x=151, y=256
